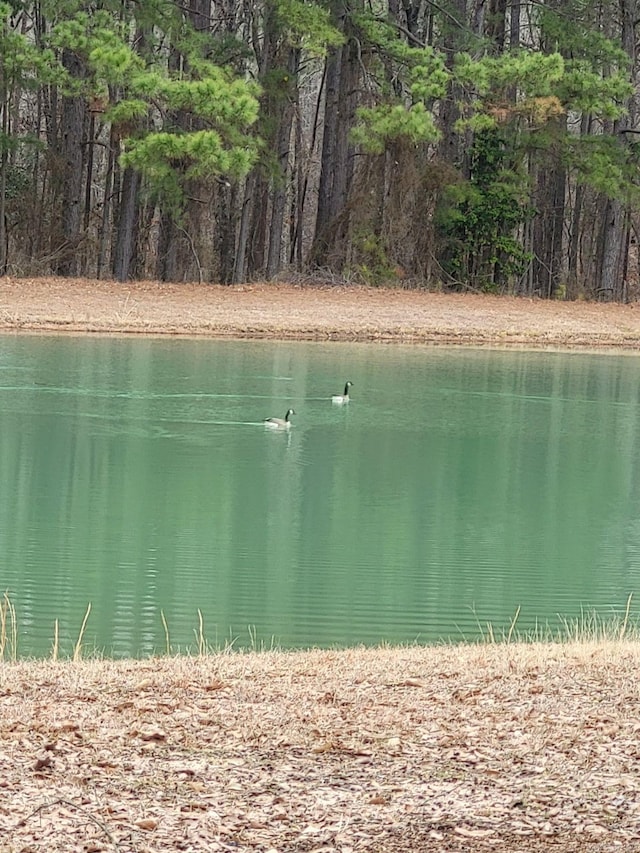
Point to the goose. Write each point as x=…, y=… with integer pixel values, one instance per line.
x=280, y=423
x=342, y=398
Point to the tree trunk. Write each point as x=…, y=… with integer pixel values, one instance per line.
x=278, y=70
x=166, y=258
x=451, y=145
x=514, y=25
x=614, y=241
x=71, y=169
x=105, y=222
x=496, y=24
x=127, y=225
x=4, y=165
x=240, y=262
x=573, y=287
x=615, y=223
x=226, y=218
x=227, y=211
x=548, y=225
x=337, y=163
x=280, y=191
x=259, y=216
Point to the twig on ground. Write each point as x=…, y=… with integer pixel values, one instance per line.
x=70, y=804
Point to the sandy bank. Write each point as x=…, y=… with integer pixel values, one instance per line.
x=311, y=313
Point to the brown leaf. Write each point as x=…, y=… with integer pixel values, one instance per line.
x=215, y=685
x=42, y=762
x=146, y=823
x=325, y=746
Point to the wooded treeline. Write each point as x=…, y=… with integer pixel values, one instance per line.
x=466, y=144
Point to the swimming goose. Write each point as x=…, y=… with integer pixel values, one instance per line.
x=280, y=423
x=342, y=398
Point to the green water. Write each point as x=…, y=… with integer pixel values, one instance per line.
x=456, y=486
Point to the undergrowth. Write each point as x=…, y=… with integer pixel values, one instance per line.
x=588, y=627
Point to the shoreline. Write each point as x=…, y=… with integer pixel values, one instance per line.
x=515, y=747
x=287, y=312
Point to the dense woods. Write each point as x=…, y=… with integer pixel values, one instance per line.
x=490, y=145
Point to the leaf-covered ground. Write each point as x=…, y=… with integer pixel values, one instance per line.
x=319, y=313
x=496, y=747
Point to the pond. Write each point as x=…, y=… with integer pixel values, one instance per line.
x=456, y=489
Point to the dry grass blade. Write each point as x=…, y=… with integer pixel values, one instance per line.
x=202, y=643
x=77, y=650
x=55, y=648
x=167, y=647
x=625, y=621
x=8, y=629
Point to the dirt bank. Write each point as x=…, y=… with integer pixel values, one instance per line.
x=314, y=313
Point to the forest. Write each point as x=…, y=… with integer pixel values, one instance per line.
x=480, y=145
